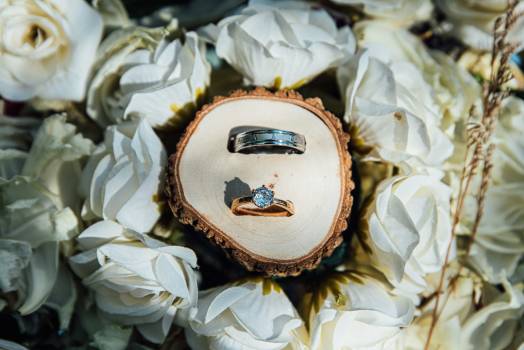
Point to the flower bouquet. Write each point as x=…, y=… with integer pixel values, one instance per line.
x=395, y=220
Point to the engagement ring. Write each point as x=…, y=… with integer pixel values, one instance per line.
x=262, y=202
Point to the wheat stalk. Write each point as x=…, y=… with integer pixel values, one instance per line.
x=479, y=149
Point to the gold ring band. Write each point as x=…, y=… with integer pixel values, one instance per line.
x=245, y=206
x=262, y=203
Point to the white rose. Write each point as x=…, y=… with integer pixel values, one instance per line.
x=409, y=229
x=454, y=90
x=466, y=321
x=357, y=312
x=32, y=223
x=461, y=292
x=38, y=211
x=281, y=44
x=390, y=44
x=494, y=326
x=169, y=81
x=122, y=178
x=104, y=94
x=459, y=299
x=48, y=47
x=473, y=21
x=136, y=280
x=55, y=159
x=499, y=242
x=381, y=98
x=16, y=136
x=141, y=74
x=509, y=153
x=399, y=12
x=446, y=334
x=248, y=315
x=457, y=91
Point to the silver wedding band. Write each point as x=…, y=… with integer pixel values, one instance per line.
x=269, y=138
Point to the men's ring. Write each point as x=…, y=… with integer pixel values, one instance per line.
x=262, y=202
x=269, y=138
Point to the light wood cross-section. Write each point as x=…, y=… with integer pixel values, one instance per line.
x=205, y=176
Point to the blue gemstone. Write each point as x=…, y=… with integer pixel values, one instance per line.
x=262, y=197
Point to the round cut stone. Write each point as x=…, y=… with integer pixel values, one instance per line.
x=262, y=197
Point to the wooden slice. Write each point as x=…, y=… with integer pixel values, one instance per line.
x=204, y=176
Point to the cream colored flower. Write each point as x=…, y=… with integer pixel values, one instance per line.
x=494, y=326
x=399, y=12
x=249, y=315
x=32, y=224
x=453, y=89
x=122, y=178
x=48, y=47
x=473, y=21
x=391, y=44
x=459, y=299
x=37, y=211
x=136, y=280
x=461, y=292
x=446, y=334
x=56, y=157
x=141, y=73
x=381, y=98
x=281, y=44
x=456, y=91
x=466, y=322
x=104, y=93
x=499, y=242
x=357, y=312
x=409, y=230
x=509, y=154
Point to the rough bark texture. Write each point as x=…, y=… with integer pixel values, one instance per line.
x=188, y=215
